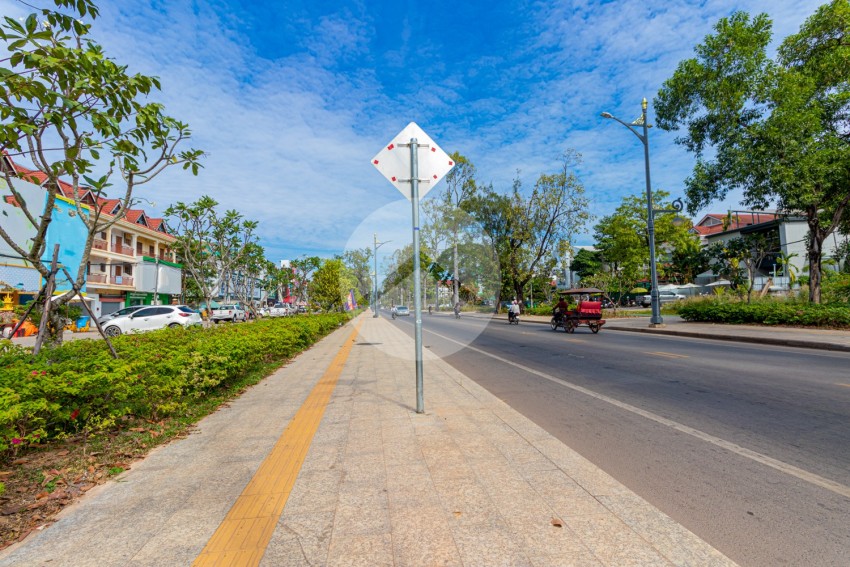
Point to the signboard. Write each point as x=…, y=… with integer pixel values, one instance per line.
x=393, y=161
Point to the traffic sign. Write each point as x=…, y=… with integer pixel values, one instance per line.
x=393, y=161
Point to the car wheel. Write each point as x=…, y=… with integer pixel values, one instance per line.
x=234, y=319
x=594, y=327
x=112, y=331
x=173, y=325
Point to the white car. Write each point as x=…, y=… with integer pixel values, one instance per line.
x=663, y=297
x=279, y=310
x=230, y=312
x=152, y=318
x=104, y=319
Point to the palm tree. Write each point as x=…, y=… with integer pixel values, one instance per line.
x=788, y=269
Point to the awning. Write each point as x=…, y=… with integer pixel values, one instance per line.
x=76, y=298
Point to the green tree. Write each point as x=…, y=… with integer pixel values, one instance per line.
x=211, y=246
x=740, y=259
x=330, y=285
x=250, y=273
x=775, y=129
x=587, y=263
x=622, y=238
x=359, y=264
x=525, y=229
x=77, y=115
x=302, y=272
x=460, y=188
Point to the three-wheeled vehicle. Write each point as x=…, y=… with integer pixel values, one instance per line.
x=587, y=310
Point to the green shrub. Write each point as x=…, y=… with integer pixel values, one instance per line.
x=767, y=312
x=80, y=387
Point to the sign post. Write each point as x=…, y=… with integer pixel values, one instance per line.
x=394, y=165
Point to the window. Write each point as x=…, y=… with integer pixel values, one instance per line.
x=128, y=270
x=103, y=235
x=103, y=267
x=139, y=247
x=150, y=248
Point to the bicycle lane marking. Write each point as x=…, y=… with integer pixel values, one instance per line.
x=243, y=535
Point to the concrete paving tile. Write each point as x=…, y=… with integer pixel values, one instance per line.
x=467, y=502
x=490, y=545
x=421, y=536
x=613, y=542
x=363, y=509
x=565, y=496
x=314, y=490
x=673, y=541
x=300, y=539
x=181, y=538
x=582, y=559
x=365, y=551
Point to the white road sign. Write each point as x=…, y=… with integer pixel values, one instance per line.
x=393, y=161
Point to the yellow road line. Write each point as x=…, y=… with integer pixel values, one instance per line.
x=668, y=354
x=243, y=535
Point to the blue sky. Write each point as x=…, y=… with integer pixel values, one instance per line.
x=292, y=99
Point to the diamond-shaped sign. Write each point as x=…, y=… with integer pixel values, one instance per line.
x=393, y=161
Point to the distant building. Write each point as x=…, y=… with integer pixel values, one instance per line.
x=130, y=263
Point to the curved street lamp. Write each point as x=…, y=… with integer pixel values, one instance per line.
x=655, y=320
x=375, y=295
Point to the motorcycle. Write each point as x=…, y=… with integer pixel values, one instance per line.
x=513, y=318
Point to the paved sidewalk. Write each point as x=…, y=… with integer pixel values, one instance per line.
x=468, y=483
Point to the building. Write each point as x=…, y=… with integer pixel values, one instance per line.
x=131, y=263
x=789, y=231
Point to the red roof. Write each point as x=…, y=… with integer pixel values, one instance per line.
x=106, y=205
x=730, y=221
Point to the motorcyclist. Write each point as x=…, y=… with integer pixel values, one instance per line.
x=560, y=310
x=513, y=311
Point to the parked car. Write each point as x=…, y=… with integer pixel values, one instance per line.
x=103, y=319
x=278, y=310
x=230, y=312
x=663, y=297
x=151, y=318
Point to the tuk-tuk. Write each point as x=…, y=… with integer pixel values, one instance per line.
x=587, y=310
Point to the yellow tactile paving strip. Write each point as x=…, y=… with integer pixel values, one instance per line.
x=243, y=535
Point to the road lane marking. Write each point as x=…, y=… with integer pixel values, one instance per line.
x=243, y=535
x=776, y=464
x=668, y=354
x=845, y=385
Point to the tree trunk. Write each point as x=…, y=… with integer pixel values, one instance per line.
x=455, y=283
x=815, y=250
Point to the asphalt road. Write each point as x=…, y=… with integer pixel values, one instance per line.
x=748, y=446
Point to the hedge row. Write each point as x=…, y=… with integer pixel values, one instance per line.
x=767, y=313
x=79, y=386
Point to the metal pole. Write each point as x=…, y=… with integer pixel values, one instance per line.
x=417, y=294
x=655, y=319
x=375, y=297
x=156, y=282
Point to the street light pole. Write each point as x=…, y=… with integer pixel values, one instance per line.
x=655, y=320
x=375, y=295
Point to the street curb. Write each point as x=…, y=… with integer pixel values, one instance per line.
x=714, y=337
x=739, y=339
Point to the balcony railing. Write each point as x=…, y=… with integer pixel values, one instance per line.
x=100, y=244
x=126, y=281
x=96, y=278
x=121, y=249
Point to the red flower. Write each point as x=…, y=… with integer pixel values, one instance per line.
x=16, y=441
x=75, y=413
x=44, y=372
x=35, y=372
